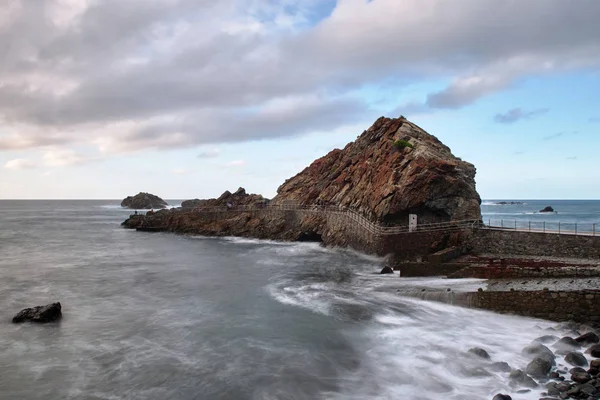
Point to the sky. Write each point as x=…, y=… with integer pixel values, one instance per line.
x=189, y=98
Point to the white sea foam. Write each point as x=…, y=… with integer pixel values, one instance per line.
x=421, y=353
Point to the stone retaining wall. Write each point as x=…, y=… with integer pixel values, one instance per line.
x=534, y=244
x=579, y=306
x=497, y=272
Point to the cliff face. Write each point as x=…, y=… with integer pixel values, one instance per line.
x=386, y=181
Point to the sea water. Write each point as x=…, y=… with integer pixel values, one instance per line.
x=162, y=316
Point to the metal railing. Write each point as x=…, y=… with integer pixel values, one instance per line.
x=562, y=228
x=345, y=212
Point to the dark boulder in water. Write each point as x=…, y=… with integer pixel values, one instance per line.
x=539, y=350
x=519, y=378
x=387, y=270
x=539, y=368
x=594, y=350
x=501, y=366
x=580, y=377
x=501, y=396
x=479, y=352
x=566, y=345
x=588, y=338
x=547, y=209
x=40, y=314
x=576, y=358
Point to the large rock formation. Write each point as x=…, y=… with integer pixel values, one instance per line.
x=143, y=201
x=392, y=170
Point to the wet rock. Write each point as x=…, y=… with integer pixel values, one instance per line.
x=593, y=371
x=479, y=352
x=566, y=345
x=501, y=396
x=580, y=377
x=519, y=378
x=547, y=209
x=588, y=338
x=500, y=366
x=40, y=314
x=587, y=389
x=539, y=350
x=539, y=368
x=576, y=369
x=554, y=375
x=594, y=350
x=595, y=364
x=563, y=386
x=576, y=358
x=546, y=339
x=387, y=270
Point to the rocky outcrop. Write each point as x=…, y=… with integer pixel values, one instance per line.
x=387, y=182
x=228, y=199
x=392, y=170
x=547, y=209
x=40, y=314
x=143, y=201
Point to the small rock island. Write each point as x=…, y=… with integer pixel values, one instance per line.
x=143, y=201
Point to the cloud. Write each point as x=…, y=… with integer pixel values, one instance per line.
x=594, y=120
x=518, y=153
x=516, y=114
x=65, y=157
x=235, y=163
x=182, y=171
x=180, y=73
x=20, y=163
x=571, y=158
x=210, y=153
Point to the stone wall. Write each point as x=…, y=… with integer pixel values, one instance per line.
x=579, y=306
x=534, y=244
x=510, y=272
x=415, y=269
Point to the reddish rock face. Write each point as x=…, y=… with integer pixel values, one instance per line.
x=387, y=182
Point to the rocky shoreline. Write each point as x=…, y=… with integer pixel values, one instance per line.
x=565, y=367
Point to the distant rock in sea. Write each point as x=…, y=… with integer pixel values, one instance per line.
x=547, y=209
x=143, y=201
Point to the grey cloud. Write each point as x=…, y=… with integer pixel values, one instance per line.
x=185, y=72
x=571, y=158
x=214, y=126
x=516, y=114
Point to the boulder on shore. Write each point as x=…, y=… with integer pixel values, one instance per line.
x=143, y=201
x=547, y=209
x=40, y=314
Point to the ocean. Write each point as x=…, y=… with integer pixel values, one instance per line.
x=569, y=215
x=162, y=316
